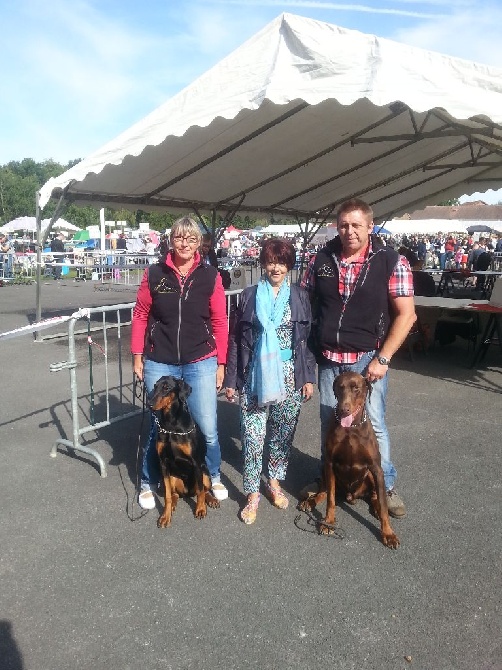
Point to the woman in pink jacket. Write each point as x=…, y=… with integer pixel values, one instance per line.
x=179, y=328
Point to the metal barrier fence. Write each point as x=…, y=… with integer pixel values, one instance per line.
x=103, y=381
x=108, y=383
x=105, y=267
x=109, y=266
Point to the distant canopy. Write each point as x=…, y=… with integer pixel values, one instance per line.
x=29, y=224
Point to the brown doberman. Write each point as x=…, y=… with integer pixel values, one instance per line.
x=352, y=458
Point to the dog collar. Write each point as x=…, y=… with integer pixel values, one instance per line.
x=171, y=432
x=354, y=425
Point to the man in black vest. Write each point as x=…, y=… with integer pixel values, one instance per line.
x=207, y=251
x=362, y=295
x=57, y=248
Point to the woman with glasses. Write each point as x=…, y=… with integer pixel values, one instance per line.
x=271, y=366
x=179, y=328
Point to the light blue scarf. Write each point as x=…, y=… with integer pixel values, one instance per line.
x=266, y=375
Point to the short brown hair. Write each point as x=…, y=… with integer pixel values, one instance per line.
x=353, y=204
x=278, y=250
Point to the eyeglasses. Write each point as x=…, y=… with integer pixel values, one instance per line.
x=192, y=241
x=276, y=264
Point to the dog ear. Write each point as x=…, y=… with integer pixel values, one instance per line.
x=184, y=389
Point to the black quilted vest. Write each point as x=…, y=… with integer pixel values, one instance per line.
x=179, y=324
x=361, y=323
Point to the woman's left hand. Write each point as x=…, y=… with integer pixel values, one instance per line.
x=220, y=375
x=307, y=391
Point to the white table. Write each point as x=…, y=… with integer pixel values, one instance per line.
x=448, y=303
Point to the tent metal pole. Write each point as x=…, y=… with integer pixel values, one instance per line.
x=38, y=274
x=60, y=207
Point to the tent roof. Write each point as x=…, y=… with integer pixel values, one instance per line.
x=300, y=117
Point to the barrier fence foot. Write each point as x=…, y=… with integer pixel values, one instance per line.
x=85, y=450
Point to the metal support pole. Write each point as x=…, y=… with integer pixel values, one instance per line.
x=60, y=207
x=38, y=275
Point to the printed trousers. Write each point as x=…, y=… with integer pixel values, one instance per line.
x=271, y=429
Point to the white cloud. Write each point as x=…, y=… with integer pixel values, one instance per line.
x=473, y=34
x=293, y=5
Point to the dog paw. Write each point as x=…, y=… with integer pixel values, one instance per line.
x=390, y=540
x=163, y=521
x=324, y=530
x=306, y=505
x=200, y=513
x=212, y=502
x=327, y=530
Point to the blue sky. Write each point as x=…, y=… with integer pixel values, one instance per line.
x=76, y=73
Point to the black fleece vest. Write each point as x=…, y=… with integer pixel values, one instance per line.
x=179, y=324
x=361, y=323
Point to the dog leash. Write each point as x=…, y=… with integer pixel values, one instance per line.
x=338, y=533
x=138, y=384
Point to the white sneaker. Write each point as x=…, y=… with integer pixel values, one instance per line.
x=219, y=491
x=146, y=500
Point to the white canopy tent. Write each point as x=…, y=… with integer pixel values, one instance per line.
x=29, y=224
x=433, y=226
x=300, y=117
x=281, y=228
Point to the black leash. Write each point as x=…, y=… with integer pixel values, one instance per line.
x=139, y=390
x=337, y=534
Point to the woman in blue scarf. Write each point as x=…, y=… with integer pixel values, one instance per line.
x=271, y=366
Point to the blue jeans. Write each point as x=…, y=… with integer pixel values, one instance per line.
x=202, y=403
x=444, y=258
x=375, y=406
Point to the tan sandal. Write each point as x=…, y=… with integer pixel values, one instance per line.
x=248, y=513
x=277, y=497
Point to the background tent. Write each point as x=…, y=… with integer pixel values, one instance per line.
x=81, y=236
x=29, y=224
x=425, y=226
x=433, y=226
x=302, y=116
x=484, y=226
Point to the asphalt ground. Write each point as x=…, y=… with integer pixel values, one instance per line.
x=87, y=581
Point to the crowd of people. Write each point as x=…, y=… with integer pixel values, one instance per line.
x=440, y=251
x=449, y=252
x=353, y=311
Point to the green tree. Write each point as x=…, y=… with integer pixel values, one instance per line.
x=17, y=195
x=449, y=203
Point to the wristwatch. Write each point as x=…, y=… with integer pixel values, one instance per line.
x=382, y=360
